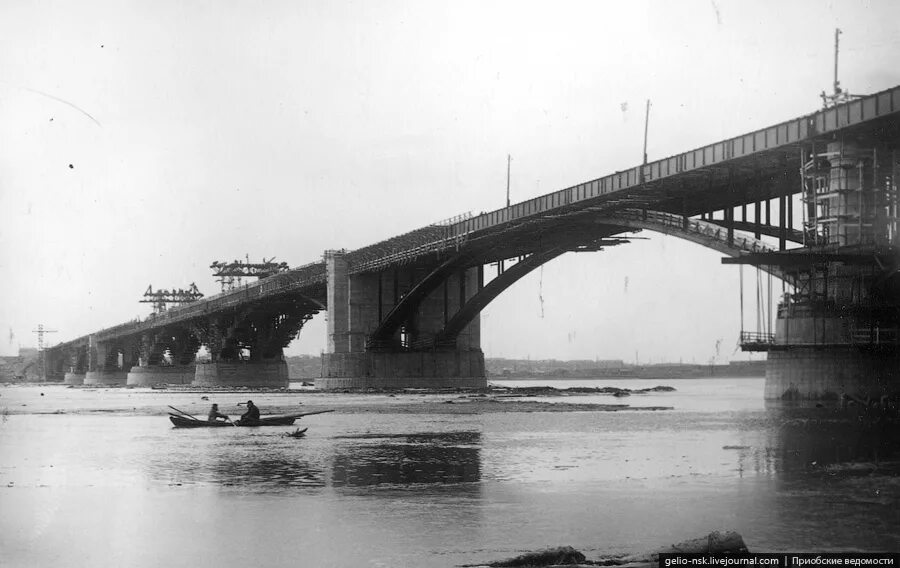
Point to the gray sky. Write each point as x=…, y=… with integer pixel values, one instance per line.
x=140, y=141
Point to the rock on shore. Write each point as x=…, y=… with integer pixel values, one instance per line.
x=728, y=542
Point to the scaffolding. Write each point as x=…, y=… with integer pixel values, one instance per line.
x=231, y=274
x=162, y=298
x=850, y=196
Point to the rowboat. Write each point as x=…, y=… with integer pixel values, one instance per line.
x=275, y=420
x=182, y=422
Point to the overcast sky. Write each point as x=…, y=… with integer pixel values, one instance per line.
x=140, y=141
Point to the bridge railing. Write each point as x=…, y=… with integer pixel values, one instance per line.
x=773, y=138
x=699, y=227
x=757, y=341
x=431, y=239
x=874, y=335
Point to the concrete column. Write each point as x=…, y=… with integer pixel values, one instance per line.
x=469, y=338
x=92, y=354
x=368, y=299
x=268, y=374
x=104, y=365
x=146, y=371
x=430, y=316
x=805, y=373
x=130, y=355
x=152, y=375
x=75, y=372
x=338, y=302
x=390, y=294
x=72, y=378
x=362, y=310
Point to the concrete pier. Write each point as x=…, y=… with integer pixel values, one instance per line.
x=837, y=332
x=357, y=304
x=438, y=369
x=264, y=374
x=157, y=375
x=827, y=374
x=73, y=379
x=108, y=378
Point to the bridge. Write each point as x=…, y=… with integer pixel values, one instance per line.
x=405, y=312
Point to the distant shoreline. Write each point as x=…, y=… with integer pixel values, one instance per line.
x=620, y=377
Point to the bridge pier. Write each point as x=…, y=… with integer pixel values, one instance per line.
x=828, y=374
x=838, y=331
x=164, y=357
x=146, y=376
x=73, y=378
x=415, y=369
x=358, y=303
x=106, y=378
x=251, y=374
x=103, y=365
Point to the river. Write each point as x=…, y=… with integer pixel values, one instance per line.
x=98, y=477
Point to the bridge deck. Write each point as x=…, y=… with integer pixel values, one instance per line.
x=763, y=164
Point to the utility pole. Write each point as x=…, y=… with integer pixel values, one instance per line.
x=646, y=125
x=40, y=331
x=839, y=95
x=837, y=39
x=508, y=160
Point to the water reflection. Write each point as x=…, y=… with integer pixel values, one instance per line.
x=421, y=458
x=258, y=460
x=806, y=439
x=269, y=471
x=273, y=462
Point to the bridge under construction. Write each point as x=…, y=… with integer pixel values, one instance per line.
x=812, y=201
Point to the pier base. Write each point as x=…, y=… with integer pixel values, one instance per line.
x=149, y=376
x=269, y=374
x=407, y=369
x=73, y=379
x=827, y=373
x=109, y=378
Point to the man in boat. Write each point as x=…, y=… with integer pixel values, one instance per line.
x=252, y=414
x=214, y=414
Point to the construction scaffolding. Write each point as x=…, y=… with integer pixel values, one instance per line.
x=162, y=298
x=231, y=274
x=850, y=196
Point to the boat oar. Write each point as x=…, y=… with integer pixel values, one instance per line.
x=185, y=413
x=316, y=412
x=301, y=414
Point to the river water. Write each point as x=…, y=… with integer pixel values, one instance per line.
x=98, y=477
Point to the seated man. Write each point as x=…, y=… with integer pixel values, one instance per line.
x=252, y=414
x=214, y=414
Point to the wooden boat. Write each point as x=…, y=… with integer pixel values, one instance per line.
x=276, y=420
x=184, y=422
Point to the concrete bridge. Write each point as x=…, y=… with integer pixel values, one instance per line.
x=405, y=311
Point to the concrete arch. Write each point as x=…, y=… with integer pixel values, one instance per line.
x=697, y=231
x=462, y=318
x=401, y=312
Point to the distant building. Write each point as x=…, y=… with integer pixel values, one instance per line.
x=20, y=368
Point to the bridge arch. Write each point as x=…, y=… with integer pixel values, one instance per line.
x=702, y=232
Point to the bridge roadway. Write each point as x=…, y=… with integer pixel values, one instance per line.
x=400, y=294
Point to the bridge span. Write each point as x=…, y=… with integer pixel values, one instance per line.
x=404, y=312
